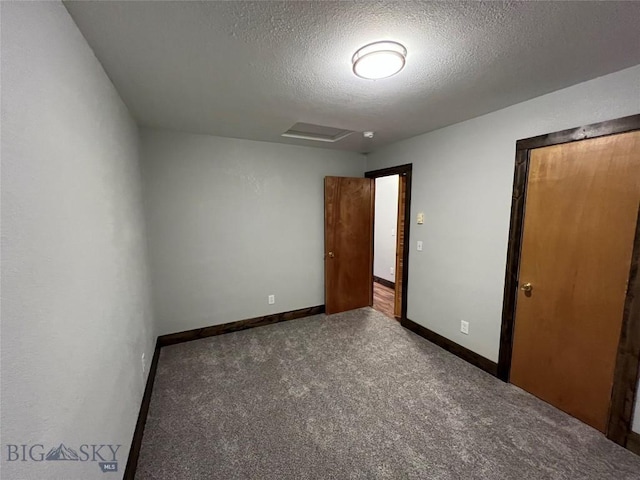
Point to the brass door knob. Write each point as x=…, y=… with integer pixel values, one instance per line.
x=526, y=287
x=331, y=255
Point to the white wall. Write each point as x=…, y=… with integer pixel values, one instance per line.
x=462, y=180
x=385, y=225
x=233, y=221
x=76, y=314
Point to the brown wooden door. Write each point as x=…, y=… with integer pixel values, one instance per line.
x=348, y=243
x=580, y=219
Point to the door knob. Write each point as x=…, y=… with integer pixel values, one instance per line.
x=526, y=287
x=331, y=255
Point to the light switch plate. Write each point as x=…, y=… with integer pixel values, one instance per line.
x=419, y=245
x=420, y=218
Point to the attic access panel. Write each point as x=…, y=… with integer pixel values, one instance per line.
x=318, y=133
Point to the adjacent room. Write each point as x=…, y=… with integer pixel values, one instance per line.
x=320, y=240
x=385, y=248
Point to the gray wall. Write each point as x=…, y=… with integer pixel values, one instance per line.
x=76, y=314
x=233, y=221
x=636, y=418
x=386, y=223
x=462, y=180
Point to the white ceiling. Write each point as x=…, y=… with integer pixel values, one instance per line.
x=253, y=69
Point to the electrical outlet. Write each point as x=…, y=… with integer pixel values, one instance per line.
x=464, y=327
x=144, y=365
x=272, y=299
x=392, y=270
x=419, y=245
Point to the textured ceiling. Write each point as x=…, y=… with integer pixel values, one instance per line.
x=253, y=69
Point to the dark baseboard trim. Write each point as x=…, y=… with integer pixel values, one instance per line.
x=633, y=442
x=452, y=347
x=136, y=442
x=385, y=282
x=188, y=335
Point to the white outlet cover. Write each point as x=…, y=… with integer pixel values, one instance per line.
x=464, y=327
x=272, y=299
x=419, y=245
x=391, y=270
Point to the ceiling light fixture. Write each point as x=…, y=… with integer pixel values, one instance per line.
x=379, y=60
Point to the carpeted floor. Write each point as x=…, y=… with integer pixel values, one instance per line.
x=355, y=396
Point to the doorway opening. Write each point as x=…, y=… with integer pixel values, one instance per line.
x=390, y=238
x=349, y=241
x=385, y=225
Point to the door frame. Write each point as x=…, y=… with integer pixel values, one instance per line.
x=405, y=171
x=626, y=373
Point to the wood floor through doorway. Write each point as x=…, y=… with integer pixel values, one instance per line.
x=383, y=299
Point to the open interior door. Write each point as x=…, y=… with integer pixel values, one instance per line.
x=348, y=243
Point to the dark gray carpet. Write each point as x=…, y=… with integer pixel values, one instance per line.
x=354, y=396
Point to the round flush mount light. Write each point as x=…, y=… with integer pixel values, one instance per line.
x=379, y=60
